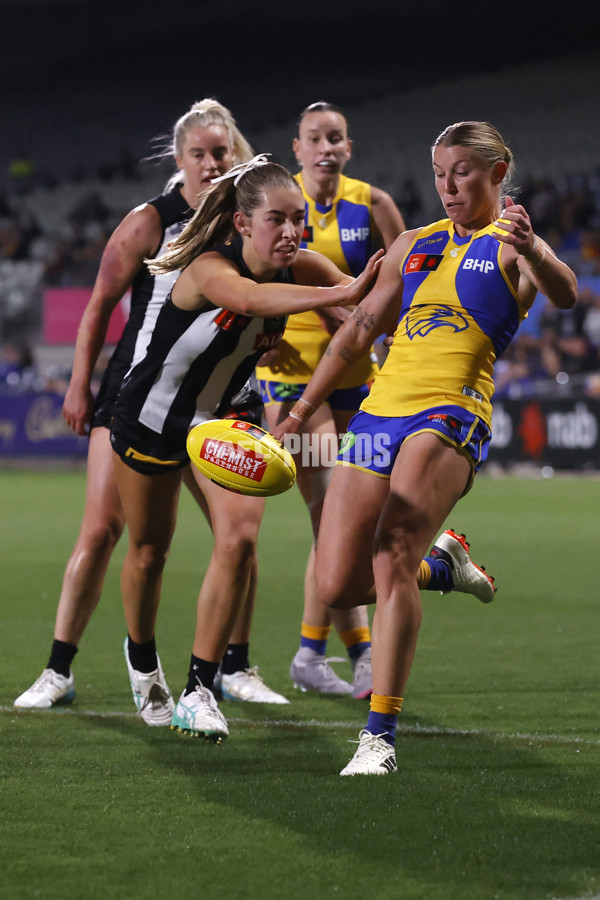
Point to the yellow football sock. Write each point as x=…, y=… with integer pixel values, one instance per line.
x=360, y=635
x=380, y=703
x=315, y=632
x=423, y=575
x=315, y=637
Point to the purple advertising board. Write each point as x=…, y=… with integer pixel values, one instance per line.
x=31, y=424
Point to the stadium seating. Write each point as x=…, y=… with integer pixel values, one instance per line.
x=542, y=109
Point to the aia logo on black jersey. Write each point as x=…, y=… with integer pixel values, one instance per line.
x=267, y=340
x=307, y=234
x=423, y=262
x=270, y=337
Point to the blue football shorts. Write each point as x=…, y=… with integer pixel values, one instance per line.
x=373, y=442
x=342, y=400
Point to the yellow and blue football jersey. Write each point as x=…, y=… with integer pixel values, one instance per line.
x=342, y=232
x=459, y=312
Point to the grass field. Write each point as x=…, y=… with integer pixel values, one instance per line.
x=497, y=794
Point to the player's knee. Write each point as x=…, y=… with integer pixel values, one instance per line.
x=238, y=547
x=313, y=485
x=103, y=535
x=148, y=559
x=332, y=591
x=396, y=556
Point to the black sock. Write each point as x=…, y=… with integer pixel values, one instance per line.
x=201, y=671
x=236, y=659
x=142, y=657
x=61, y=657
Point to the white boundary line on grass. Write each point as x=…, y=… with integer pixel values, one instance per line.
x=410, y=730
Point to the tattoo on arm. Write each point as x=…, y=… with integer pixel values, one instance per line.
x=346, y=354
x=364, y=319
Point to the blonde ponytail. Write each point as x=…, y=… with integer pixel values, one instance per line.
x=212, y=223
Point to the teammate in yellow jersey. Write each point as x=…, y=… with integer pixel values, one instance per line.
x=458, y=290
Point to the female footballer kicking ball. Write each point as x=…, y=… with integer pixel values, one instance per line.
x=457, y=291
x=345, y=219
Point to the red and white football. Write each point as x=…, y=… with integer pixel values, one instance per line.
x=241, y=457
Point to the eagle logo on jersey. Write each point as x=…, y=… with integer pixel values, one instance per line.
x=420, y=320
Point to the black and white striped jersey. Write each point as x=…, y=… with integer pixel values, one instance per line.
x=195, y=363
x=148, y=294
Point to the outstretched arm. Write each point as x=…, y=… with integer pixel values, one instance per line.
x=210, y=278
x=354, y=339
x=388, y=224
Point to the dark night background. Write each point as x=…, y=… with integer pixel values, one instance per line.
x=268, y=59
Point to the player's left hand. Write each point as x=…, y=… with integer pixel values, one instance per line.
x=289, y=425
x=516, y=228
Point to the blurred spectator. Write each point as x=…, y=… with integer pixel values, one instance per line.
x=6, y=209
x=591, y=321
x=540, y=199
x=90, y=209
x=408, y=200
x=566, y=346
x=17, y=237
x=21, y=172
x=127, y=166
x=16, y=365
x=57, y=263
x=590, y=252
x=520, y=367
x=85, y=253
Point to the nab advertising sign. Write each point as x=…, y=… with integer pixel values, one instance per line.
x=564, y=434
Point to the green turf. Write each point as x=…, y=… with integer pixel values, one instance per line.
x=499, y=750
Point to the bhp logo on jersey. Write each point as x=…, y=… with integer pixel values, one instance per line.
x=423, y=262
x=354, y=234
x=479, y=265
x=227, y=456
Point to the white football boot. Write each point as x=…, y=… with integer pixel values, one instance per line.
x=248, y=686
x=198, y=715
x=151, y=694
x=310, y=671
x=467, y=577
x=50, y=689
x=374, y=756
x=362, y=683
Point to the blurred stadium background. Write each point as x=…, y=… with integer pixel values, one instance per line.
x=88, y=90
